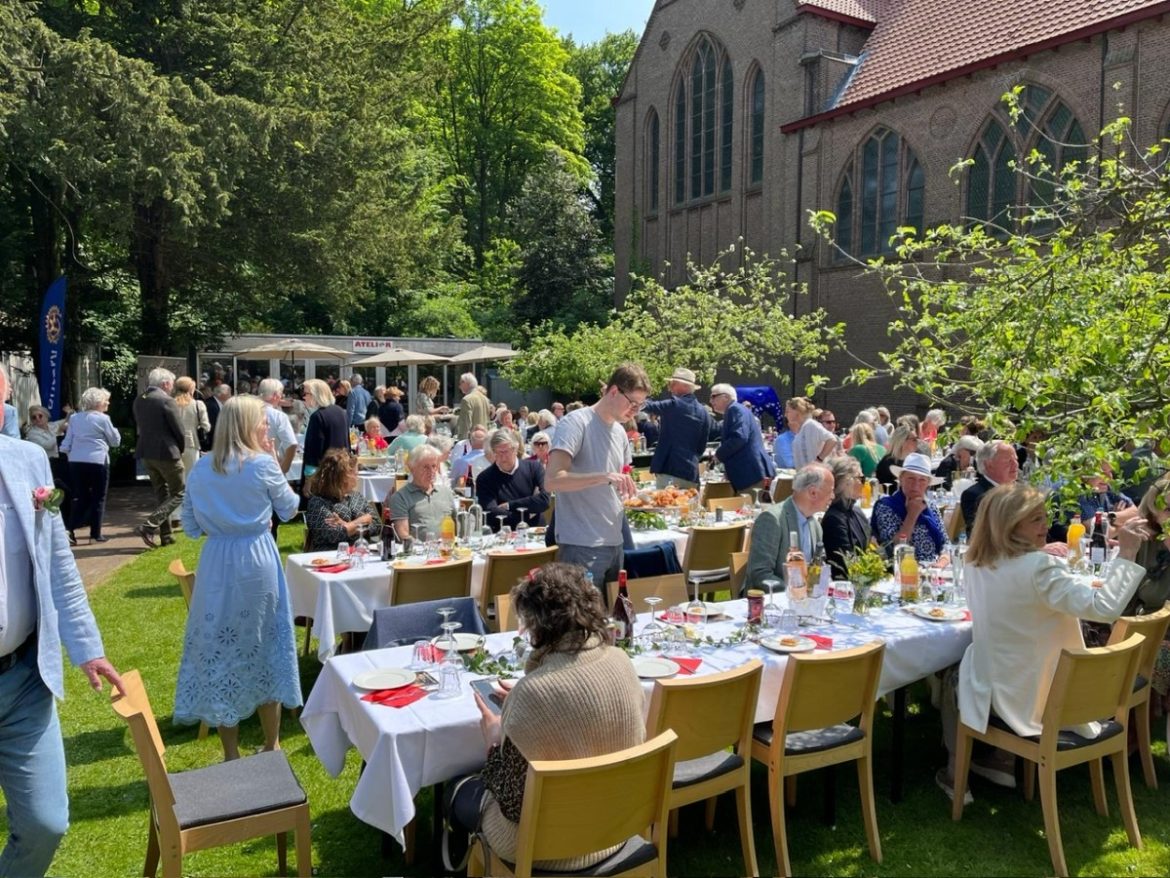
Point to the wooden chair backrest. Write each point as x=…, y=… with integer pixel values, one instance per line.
x=134, y=707
x=431, y=582
x=727, y=504
x=1090, y=684
x=307, y=542
x=185, y=577
x=506, y=619
x=781, y=488
x=624, y=794
x=1152, y=626
x=956, y=524
x=712, y=490
x=708, y=713
x=504, y=570
x=672, y=588
x=739, y=562
x=823, y=689
x=710, y=548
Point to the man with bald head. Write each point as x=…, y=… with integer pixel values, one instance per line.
x=812, y=492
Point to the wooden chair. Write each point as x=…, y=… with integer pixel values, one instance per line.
x=221, y=804
x=1152, y=626
x=505, y=569
x=739, y=561
x=1089, y=684
x=672, y=588
x=185, y=578
x=819, y=696
x=506, y=619
x=429, y=582
x=727, y=504
x=707, y=564
x=956, y=524
x=715, y=490
x=781, y=488
x=624, y=794
x=709, y=714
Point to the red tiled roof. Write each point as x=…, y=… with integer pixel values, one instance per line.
x=857, y=10
x=922, y=42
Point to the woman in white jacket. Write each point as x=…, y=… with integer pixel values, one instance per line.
x=1025, y=608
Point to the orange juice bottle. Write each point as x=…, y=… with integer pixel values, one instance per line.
x=447, y=534
x=866, y=494
x=1076, y=530
x=907, y=573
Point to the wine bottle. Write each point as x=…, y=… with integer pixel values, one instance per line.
x=1098, y=547
x=795, y=569
x=623, y=609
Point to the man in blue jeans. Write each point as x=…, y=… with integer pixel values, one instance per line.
x=42, y=604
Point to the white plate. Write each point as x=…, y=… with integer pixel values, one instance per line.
x=384, y=678
x=651, y=668
x=803, y=644
x=937, y=614
x=463, y=642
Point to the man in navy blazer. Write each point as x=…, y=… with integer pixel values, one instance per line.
x=742, y=453
x=42, y=605
x=685, y=424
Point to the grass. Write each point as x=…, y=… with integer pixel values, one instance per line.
x=142, y=615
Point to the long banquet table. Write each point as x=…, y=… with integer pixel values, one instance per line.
x=431, y=741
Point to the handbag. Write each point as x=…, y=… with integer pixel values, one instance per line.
x=203, y=435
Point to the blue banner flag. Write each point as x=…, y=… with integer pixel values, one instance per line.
x=52, y=346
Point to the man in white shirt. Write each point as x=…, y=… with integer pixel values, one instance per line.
x=42, y=605
x=473, y=461
x=280, y=430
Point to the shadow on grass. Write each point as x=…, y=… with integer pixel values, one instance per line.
x=154, y=591
x=102, y=802
x=98, y=745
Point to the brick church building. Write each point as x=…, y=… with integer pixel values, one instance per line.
x=738, y=117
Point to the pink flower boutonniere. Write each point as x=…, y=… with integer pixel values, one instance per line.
x=48, y=497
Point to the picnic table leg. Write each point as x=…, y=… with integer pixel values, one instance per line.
x=897, y=744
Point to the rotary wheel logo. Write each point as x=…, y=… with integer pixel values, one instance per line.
x=53, y=325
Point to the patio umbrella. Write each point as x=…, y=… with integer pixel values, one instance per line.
x=485, y=352
x=399, y=357
x=293, y=349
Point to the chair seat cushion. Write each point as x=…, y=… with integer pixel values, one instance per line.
x=264, y=782
x=632, y=854
x=693, y=771
x=813, y=740
x=1067, y=739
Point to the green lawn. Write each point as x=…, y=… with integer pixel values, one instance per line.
x=142, y=614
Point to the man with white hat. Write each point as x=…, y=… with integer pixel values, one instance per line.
x=684, y=425
x=905, y=516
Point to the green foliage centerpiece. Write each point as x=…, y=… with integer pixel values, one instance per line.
x=866, y=567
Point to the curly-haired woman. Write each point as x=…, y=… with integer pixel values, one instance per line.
x=337, y=510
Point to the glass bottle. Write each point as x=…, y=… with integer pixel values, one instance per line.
x=906, y=568
x=623, y=609
x=796, y=569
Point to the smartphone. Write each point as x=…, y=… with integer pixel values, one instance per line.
x=486, y=690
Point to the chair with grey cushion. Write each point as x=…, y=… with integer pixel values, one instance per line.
x=214, y=806
x=820, y=696
x=710, y=714
x=402, y=625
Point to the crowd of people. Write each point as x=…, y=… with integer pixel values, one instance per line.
x=222, y=461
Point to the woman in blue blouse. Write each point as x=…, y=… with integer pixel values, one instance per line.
x=87, y=443
x=905, y=516
x=239, y=654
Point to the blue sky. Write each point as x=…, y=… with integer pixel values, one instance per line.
x=588, y=20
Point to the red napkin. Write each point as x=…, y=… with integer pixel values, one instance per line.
x=966, y=615
x=332, y=568
x=436, y=561
x=685, y=665
x=396, y=697
x=821, y=641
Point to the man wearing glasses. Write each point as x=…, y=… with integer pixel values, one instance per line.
x=741, y=452
x=828, y=421
x=685, y=427
x=586, y=470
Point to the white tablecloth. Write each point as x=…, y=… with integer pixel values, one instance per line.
x=431, y=741
x=375, y=486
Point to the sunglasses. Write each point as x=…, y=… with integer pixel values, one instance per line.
x=540, y=443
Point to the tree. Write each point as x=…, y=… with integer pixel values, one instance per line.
x=601, y=69
x=735, y=319
x=562, y=275
x=1058, y=322
x=506, y=101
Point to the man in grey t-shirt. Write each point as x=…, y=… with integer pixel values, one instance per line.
x=586, y=470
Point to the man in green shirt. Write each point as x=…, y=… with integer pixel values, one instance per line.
x=425, y=500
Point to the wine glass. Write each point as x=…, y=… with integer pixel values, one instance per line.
x=696, y=610
x=772, y=611
x=361, y=548
x=343, y=551
x=418, y=529
x=501, y=518
x=505, y=536
x=522, y=528
x=756, y=500
x=654, y=629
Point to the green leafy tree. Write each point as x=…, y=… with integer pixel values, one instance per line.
x=1057, y=324
x=601, y=68
x=506, y=100
x=734, y=319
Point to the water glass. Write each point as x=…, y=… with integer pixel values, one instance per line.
x=449, y=686
x=343, y=551
x=774, y=616
x=788, y=622
x=420, y=658
x=841, y=596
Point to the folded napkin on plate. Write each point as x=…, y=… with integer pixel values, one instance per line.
x=685, y=665
x=436, y=560
x=400, y=697
x=821, y=641
x=333, y=568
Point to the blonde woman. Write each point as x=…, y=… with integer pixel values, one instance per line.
x=865, y=448
x=239, y=654
x=1025, y=608
x=812, y=442
x=327, y=428
x=423, y=402
x=193, y=418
